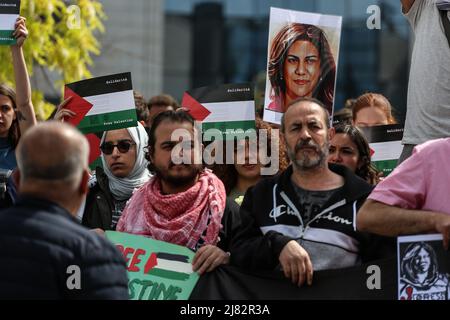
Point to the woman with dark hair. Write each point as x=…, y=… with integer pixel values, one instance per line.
x=236, y=177
x=16, y=109
x=301, y=64
x=350, y=148
x=419, y=274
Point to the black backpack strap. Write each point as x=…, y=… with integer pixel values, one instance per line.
x=446, y=24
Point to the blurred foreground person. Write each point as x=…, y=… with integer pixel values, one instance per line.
x=412, y=199
x=46, y=254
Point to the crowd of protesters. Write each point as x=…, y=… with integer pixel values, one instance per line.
x=310, y=215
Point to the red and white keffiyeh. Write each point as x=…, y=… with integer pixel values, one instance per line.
x=180, y=218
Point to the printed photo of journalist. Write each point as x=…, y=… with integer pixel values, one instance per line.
x=301, y=64
x=422, y=273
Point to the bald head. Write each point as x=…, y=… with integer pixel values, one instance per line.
x=309, y=103
x=52, y=152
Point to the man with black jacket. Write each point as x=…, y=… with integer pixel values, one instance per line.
x=46, y=254
x=303, y=219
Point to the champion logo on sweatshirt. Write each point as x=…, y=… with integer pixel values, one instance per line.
x=281, y=210
x=336, y=219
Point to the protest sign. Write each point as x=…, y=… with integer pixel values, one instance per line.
x=229, y=108
x=423, y=268
x=101, y=104
x=157, y=270
x=9, y=12
x=302, y=60
x=229, y=282
x=386, y=146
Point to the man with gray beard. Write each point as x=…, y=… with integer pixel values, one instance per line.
x=304, y=219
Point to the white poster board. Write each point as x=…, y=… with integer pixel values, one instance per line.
x=423, y=268
x=302, y=60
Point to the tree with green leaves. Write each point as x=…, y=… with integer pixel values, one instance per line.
x=62, y=38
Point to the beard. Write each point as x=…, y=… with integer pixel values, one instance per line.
x=306, y=160
x=178, y=180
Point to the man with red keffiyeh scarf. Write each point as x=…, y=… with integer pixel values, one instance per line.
x=183, y=204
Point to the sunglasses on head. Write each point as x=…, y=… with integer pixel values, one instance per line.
x=122, y=145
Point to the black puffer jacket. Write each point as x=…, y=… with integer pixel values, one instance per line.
x=99, y=203
x=39, y=240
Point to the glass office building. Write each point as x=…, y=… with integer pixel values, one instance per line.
x=225, y=41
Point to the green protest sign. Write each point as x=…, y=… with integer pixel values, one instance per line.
x=157, y=270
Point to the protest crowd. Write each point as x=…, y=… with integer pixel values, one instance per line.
x=325, y=207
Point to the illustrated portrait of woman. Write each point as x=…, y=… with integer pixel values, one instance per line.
x=420, y=278
x=301, y=64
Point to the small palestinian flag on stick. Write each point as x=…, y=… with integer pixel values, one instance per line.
x=169, y=266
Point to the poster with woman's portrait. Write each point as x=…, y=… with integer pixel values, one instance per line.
x=302, y=60
x=423, y=268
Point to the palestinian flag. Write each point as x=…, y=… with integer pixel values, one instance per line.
x=94, y=149
x=103, y=103
x=9, y=12
x=228, y=108
x=386, y=146
x=169, y=266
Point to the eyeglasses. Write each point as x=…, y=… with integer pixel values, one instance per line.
x=123, y=146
